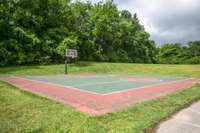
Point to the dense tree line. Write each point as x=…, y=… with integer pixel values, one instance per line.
x=39, y=31
x=179, y=54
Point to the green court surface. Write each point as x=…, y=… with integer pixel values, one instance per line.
x=103, y=84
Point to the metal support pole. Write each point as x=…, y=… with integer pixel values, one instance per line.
x=66, y=72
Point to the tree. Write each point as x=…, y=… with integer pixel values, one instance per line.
x=179, y=54
x=39, y=31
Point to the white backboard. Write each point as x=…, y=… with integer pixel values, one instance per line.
x=72, y=53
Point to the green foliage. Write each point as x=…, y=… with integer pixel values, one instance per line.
x=178, y=54
x=39, y=31
x=25, y=112
x=69, y=42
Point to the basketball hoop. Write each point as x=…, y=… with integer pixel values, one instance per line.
x=70, y=53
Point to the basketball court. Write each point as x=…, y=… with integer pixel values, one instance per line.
x=99, y=94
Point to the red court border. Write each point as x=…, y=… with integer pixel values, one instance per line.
x=95, y=104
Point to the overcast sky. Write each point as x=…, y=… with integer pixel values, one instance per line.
x=166, y=20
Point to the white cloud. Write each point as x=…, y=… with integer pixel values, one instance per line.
x=166, y=21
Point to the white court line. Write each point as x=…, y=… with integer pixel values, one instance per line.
x=68, y=87
x=86, y=76
x=102, y=83
x=82, y=84
x=87, y=84
x=81, y=90
x=147, y=86
x=120, y=80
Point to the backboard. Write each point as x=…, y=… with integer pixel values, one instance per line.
x=71, y=53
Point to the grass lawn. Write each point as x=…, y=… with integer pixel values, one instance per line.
x=99, y=68
x=24, y=112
